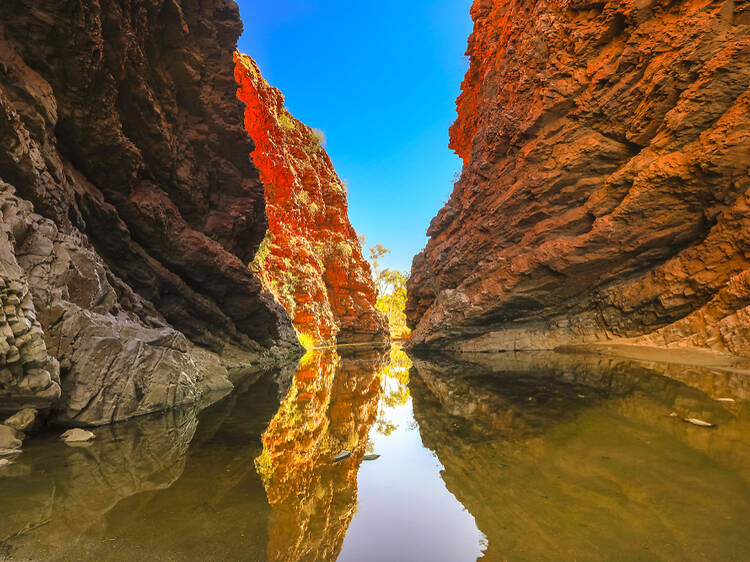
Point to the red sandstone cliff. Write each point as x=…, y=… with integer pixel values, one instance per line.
x=311, y=258
x=129, y=208
x=606, y=183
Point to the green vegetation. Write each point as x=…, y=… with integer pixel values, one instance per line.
x=286, y=121
x=392, y=301
x=306, y=340
x=319, y=137
x=303, y=197
x=262, y=254
x=344, y=249
x=391, y=287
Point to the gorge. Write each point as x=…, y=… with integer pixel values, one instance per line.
x=131, y=210
x=180, y=277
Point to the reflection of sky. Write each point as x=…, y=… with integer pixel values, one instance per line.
x=405, y=511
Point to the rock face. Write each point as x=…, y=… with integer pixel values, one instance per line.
x=605, y=188
x=311, y=259
x=130, y=209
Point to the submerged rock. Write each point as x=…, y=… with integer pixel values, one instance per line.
x=699, y=423
x=342, y=456
x=77, y=435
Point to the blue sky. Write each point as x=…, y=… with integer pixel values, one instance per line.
x=381, y=79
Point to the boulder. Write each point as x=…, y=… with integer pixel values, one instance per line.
x=10, y=439
x=23, y=420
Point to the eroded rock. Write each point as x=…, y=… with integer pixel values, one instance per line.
x=129, y=210
x=10, y=439
x=311, y=259
x=23, y=420
x=77, y=435
x=605, y=187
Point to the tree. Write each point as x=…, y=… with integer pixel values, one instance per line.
x=376, y=253
x=391, y=287
x=392, y=300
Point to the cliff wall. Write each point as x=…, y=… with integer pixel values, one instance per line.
x=605, y=188
x=130, y=209
x=311, y=259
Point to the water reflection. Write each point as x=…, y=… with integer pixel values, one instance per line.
x=500, y=457
x=582, y=457
x=54, y=493
x=330, y=408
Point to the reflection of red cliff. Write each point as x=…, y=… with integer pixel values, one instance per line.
x=605, y=188
x=311, y=259
x=331, y=406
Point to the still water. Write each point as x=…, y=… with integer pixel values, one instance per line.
x=534, y=456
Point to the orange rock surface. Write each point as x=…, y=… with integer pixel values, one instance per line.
x=311, y=259
x=606, y=181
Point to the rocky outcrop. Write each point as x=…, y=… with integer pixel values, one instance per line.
x=114, y=365
x=311, y=259
x=130, y=209
x=605, y=188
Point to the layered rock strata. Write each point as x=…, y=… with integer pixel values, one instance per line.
x=605, y=188
x=130, y=209
x=311, y=259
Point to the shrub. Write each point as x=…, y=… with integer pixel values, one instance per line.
x=303, y=197
x=307, y=341
x=262, y=254
x=319, y=137
x=286, y=122
x=344, y=249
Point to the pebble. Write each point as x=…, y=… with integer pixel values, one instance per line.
x=77, y=435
